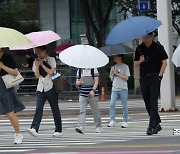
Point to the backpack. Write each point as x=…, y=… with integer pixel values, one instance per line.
x=80, y=70
x=92, y=74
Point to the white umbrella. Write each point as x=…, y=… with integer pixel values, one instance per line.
x=83, y=56
x=176, y=56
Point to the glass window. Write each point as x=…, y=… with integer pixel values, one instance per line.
x=77, y=22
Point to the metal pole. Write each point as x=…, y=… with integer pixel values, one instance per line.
x=54, y=12
x=164, y=14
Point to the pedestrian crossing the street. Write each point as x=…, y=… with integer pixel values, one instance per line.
x=136, y=130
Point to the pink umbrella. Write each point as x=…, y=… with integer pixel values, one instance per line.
x=38, y=39
x=63, y=47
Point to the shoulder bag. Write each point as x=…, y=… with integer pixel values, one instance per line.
x=11, y=80
x=60, y=83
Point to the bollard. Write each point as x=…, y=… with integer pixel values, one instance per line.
x=102, y=94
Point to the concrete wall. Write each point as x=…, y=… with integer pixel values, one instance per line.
x=63, y=19
x=46, y=14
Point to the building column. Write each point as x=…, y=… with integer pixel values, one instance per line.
x=55, y=16
x=164, y=14
x=46, y=15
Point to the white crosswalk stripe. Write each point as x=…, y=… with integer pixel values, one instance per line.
x=136, y=130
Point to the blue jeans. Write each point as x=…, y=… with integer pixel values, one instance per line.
x=123, y=94
x=52, y=98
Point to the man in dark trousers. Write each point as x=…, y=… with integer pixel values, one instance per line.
x=152, y=59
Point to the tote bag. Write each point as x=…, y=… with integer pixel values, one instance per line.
x=60, y=83
x=11, y=80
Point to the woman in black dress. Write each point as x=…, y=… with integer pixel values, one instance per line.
x=9, y=101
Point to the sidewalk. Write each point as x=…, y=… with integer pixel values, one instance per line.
x=71, y=107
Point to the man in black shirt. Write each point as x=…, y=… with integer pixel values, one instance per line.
x=152, y=59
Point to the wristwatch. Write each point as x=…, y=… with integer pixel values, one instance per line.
x=93, y=90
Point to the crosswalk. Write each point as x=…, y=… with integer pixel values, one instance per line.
x=136, y=130
x=104, y=106
x=75, y=106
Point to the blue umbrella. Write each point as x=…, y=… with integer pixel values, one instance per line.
x=132, y=28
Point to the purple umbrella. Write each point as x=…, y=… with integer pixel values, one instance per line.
x=63, y=47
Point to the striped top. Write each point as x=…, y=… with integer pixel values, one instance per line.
x=88, y=82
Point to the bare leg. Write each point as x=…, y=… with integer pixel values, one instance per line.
x=14, y=121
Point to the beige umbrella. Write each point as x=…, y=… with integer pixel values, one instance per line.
x=10, y=37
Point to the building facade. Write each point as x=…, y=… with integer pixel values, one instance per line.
x=65, y=17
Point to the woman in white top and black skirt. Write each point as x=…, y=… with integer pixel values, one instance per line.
x=44, y=68
x=9, y=101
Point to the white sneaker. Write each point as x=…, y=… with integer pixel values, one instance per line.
x=80, y=130
x=99, y=130
x=124, y=124
x=112, y=123
x=57, y=134
x=32, y=132
x=18, y=139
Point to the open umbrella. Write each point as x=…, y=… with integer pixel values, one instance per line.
x=117, y=49
x=176, y=56
x=38, y=39
x=63, y=47
x=83, y=56
x=132, y=28
x=10, y=37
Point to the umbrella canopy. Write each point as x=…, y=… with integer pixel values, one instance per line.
x=39, y=39
x=132, y=28
x=117, y=49
x=176, y=56
x=83, y=56
x=63, y=47
x=10, y=37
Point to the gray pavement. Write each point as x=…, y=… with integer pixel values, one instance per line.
x=72, y=107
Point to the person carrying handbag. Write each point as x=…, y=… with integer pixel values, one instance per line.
x=44, y=68
x=9, y=101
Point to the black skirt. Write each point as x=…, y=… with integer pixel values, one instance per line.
x=9, y=100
